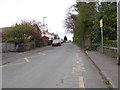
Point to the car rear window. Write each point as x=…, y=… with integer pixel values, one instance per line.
x=55, y=40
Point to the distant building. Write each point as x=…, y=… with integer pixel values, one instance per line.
x=56, y=36
x=38, y=32
x=48, y=34
x=2, y=36
x=45, y=38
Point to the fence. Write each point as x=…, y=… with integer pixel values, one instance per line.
x=4, y=47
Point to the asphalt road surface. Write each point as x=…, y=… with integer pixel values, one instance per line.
x=63, y=66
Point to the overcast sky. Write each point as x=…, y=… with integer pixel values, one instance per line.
x=12, y=11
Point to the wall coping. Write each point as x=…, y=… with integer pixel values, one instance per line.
x=111, y=47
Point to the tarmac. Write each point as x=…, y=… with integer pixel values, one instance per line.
x=9, y=57
x=106, y=64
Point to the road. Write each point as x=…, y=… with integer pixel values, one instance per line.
x=63, y=66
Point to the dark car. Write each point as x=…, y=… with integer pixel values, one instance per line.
x=56, y=43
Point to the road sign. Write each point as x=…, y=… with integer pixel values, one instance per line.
x=101, y=23
x=101, y=26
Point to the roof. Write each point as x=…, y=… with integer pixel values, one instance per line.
x=2, y=29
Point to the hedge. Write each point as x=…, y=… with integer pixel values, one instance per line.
x=112, y=43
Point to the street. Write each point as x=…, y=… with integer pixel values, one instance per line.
x=64, y=66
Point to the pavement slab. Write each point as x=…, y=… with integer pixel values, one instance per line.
x=107, y=65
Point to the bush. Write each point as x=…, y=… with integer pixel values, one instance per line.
x=94, y=46
x=112, y=43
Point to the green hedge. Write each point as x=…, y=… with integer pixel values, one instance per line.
x=112, y=43
x=94, y=46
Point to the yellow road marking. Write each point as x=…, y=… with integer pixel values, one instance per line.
x=78, y=66
x=26, y=59
x=73, y=69
x=81, y=82
x=78, y=62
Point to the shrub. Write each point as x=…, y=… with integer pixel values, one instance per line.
x=94, y=46
x=112, y=43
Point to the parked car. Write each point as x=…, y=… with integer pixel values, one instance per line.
x=56, y=43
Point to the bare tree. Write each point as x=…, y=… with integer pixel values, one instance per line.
x=71, y=16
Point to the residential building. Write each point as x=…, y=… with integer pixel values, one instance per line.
x=48, y=34
x=38, y=32
x=2, y=36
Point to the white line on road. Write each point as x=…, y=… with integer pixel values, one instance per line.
x=3, y=65
x=21, y=53
x=26, y=59
x=81, y=82
x=41, y=53
x=14, y=64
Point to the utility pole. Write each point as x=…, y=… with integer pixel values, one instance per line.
x=118, y=33
x=101, y=26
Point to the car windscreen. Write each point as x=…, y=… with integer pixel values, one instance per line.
x=55, y=40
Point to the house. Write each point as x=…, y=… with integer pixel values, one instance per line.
x=48, y=34
x=38, y=32
x=45, y=38
x=2, y=36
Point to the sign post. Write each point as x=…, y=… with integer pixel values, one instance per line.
x=101, y=26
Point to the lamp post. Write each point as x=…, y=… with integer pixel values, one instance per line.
x=44, y=23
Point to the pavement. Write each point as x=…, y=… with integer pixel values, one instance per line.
x=64, y=66
x=107, y=66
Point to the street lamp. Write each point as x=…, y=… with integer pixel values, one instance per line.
x=44, y=22
x=44, y=25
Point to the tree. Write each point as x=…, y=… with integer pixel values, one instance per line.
x=65, y=38
x=86, y=23
x=18, y=33
x=70, y=19
x=108, y=12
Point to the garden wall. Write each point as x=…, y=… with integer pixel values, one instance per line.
x=111, y=51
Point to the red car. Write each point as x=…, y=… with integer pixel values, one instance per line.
x=56, y=43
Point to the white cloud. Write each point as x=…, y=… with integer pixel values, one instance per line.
x=13, y=11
